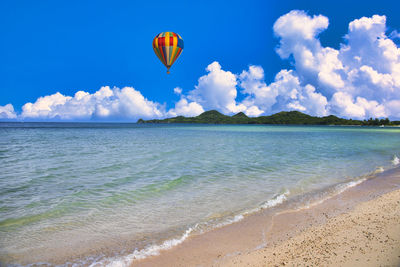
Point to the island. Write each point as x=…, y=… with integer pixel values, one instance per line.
x=284, y=117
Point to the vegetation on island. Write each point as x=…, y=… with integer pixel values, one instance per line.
x=284, y=117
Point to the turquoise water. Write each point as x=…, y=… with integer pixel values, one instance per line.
x=90, y=193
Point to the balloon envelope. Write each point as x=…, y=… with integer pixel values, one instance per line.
x=168, y=46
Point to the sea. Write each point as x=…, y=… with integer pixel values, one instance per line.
x=107, y=194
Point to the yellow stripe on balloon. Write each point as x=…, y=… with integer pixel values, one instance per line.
x=167, y=39
x=155, y=48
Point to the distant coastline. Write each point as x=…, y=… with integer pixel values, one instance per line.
x=284, y=117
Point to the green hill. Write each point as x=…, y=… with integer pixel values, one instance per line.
x=284, y=117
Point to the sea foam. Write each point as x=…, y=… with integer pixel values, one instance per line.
x=395, y=160
x=276, y=201
x=153, y=250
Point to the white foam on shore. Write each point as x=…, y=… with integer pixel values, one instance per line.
x=276, y=201
x=343, y=187
x=155, y=250
x=279, y=199
x=338, y=190
x=237, y=218
x=378, y=170
x=144, y=253
x=395, y=160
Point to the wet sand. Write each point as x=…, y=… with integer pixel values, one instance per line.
x=369, y=235
x=359, y=227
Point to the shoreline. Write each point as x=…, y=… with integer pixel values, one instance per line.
x=360, y=237
x=267, y=226
x=259, y=235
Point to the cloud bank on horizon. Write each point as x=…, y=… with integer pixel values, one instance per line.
x=360, y=80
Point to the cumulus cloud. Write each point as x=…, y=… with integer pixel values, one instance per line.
x=361, y=79
x=178, y=90
x=343, y=104
x=297, y=25
x=106, y=103
x=316, y=65
x=285, y=93
x=7, y=112
x=185, y=108
x=217, y=90
x=261, y=97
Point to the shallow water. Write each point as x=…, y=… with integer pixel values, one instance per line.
x=75, y=192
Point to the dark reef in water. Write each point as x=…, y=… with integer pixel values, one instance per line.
x=284, y=117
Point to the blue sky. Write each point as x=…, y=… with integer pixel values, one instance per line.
x=69, y=46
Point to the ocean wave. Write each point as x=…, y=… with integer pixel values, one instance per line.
x=276, y=201
x=395, y=160
x=343, y=187
x=236, y=218
x=337, y=190
x=153, y=250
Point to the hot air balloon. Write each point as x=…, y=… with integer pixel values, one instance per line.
x=168, y=46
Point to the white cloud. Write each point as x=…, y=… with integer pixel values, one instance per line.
x=315, y=64
x=360, y=79
x=7, y=112
x=297, y=25
x=253, y=111
x=178, y=90
x=393, y=108
x=184, y=108
x=217, y=90
x=343, y=104
x=259, y=94
x=126, y=103
x=285, y=93
x=43, y=107
x=368, y=42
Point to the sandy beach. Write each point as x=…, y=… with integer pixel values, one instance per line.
x=358, y=227
x=369, y=235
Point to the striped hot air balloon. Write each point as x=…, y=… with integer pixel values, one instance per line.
x=168, y=46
